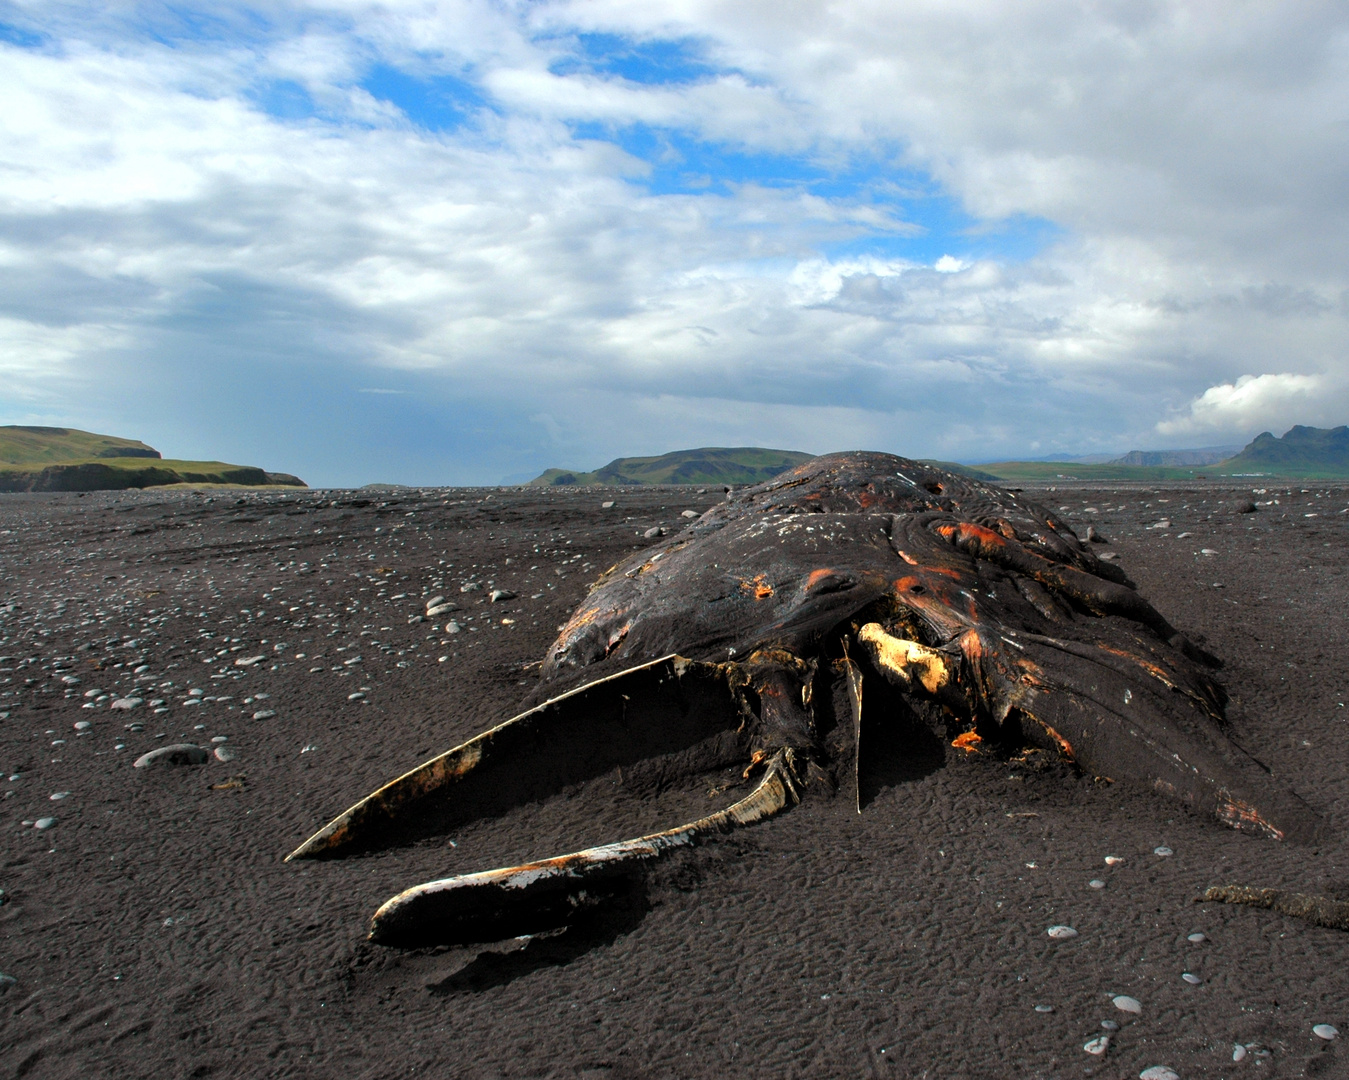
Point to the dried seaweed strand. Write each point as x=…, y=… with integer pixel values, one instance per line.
x=1320, y=910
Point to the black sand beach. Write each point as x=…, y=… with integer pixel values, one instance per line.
x=154, y=930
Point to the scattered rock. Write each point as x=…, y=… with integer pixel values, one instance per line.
x=452, y=627
x=1321, y=1031
x=1196, y=938
x=1163, y=851
x=1096, y=883
x=690, y=514
x=1098, y=1045
x=433, y=602
x=127, y=703
x=1125, y=1003
x=470, y=586
x=48, y=822
x=1113, y=860
x=440, y=609
x=176, y=754
x=83, y=725
x=264, y=714
x=225, y=753
x=1062, y=933
x=1207, y=551
x=1159, y=1072
x=1193, y=980
x=1238, y=1052
x=608, y=504
x=1244, y=506
x=248, y=661
x=1044, y=1008
x=651, y=534
x=498, y=595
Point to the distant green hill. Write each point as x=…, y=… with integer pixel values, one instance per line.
x=66, y=459
x=1303, y=451
x=20, y=445
x=708, y=465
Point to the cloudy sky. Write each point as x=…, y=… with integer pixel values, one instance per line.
x=460, y=241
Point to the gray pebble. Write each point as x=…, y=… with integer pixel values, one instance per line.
x=1096, y=883
x=1062, y=933
x=1238, y=1052
x=1159, y=1072
x=225, y=753
x=48, y=822
x=608, y=504
x=501, y=594
x=1125, y=1003
x=264, y=714
x=1044, y=1008
x=176, y=754
x=82, y=725
x=1163, y=851
x=127, y=703
x=452, y=627
x=1193, y=980
x=689, y=514
x=651, y=534
x=1196, y=938
x=1321, y=1031
x=1098, y=1045
x=220, y=738
x=1110, y=1025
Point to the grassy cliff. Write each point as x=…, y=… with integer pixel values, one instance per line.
x=66, y=459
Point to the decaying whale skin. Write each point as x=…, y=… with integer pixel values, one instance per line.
x=852, y=575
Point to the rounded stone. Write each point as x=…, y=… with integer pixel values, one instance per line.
x=1062, y=933
x=1159, y=1072
x=1196, y=938
x=1163, y=851
x=225, y=753
x=1096, y=883
x=264, y=714
x=48, y=822
x=1192, y=979
x=1325, y=1031
x=1125, y=1003
x=1098, y=1045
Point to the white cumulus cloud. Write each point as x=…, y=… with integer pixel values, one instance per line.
x=1252, y=403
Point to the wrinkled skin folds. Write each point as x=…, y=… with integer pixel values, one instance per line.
x=858, y=576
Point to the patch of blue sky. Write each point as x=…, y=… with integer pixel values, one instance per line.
x=437, y=103
x=652, y=63
x=17, y=35
x=927, y=222
x=284, y=99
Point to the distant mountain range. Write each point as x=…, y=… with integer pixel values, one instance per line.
x=1302, y=452
x=67, y=459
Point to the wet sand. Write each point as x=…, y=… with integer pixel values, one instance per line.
x=154, y=929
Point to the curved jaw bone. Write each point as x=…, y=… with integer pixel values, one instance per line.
x=518, y=900
x=699, y=712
